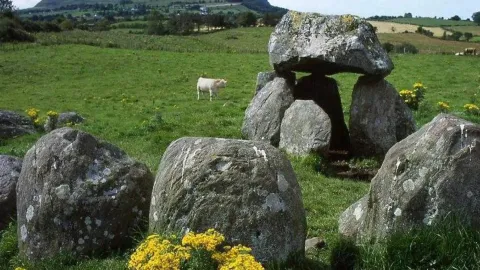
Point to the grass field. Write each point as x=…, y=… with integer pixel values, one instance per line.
x=123, y=92
x=431, y=22
x=475, y=30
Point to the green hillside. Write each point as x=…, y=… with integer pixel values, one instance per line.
x=433, y=22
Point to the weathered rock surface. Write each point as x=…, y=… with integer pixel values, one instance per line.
x=263, y=78
x=314, y=243
x=311, y=42
x=247, y=190
x=324, y=91
x=13, y=124
x=430, y=174
x=79, y=195
x=378, y=117
x=305, y=129
x=69, y=117
x=265, y=112
x=10, y=168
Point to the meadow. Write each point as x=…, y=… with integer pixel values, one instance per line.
x=432, y=22
x=141, y=98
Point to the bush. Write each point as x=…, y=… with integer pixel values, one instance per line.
x=406, y=48
x=388, y=47
x=10, y=30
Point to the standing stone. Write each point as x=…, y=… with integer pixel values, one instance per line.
x=263, y=78
x=247, y=190
x=305, y=129
x=13, y=124
x=10, y=168
x=315, y=43
x=378, y=117
x=79, y=195
x=425, y=177
x=324, y=91
x=264, y=115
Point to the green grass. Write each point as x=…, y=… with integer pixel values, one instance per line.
x=475, y=29
x=431, y=22
x=158, y=89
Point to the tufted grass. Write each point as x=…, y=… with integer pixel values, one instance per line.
x=141, y=100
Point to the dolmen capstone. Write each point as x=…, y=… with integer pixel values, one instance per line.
x=79, y=195
x=247, y=190
x=10, y=168
x=427, y=176
x=323, y=45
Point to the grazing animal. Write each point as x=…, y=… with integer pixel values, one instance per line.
x=470, y=51
x=210, y=85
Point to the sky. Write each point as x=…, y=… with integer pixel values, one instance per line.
x=365, y=8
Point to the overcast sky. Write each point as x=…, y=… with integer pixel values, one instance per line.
x=365, y=8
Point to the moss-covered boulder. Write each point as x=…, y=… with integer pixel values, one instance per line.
x=311, y=42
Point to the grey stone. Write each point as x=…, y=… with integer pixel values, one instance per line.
x=378, y=117
x=324, y=91
x=13, y=125
x=69, y=117
x=314, y=243
x=79, y=195
x=247, y=190
x=305, y=129
x=264, y=114
x=10, y=168
x=311, y=42
x=425, y=177
x=263, y=78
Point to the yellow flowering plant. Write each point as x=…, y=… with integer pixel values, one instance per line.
x=443, y=107
x=471, y=109
x=413, y=97
x=195, y=251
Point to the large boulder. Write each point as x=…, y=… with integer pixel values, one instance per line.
x=10, y=168
x=305, y=129
x=264, y=115
x=13, y=124
x=267, y=76
x=425, y=177
x=79, y=195
x=247, y=190
x=311, y=42
x=378, y=117
x=324, y=91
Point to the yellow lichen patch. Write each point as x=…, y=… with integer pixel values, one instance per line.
x=349, y=21
x=297, y=18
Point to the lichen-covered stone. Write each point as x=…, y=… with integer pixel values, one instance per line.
x=311, y=42
x=305, y=129
x=13, y=124
x=378, y=117
x=247, y=190
x=66, y=118
x=79, y=195
x=425, y=177
x=264, y=114
x=324, y=91
x=10, y=168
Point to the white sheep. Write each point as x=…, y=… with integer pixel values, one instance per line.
x=210, y=85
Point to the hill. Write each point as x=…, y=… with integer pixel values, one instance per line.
x=261, y=6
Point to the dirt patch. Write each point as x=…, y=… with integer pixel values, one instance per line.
x=391, y=27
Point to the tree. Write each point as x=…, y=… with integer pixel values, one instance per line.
x=476, y=17
x=455, y=18
x=456, y=35
x=247, y=19
x=468, y=36
x=408, y=15
x=155, y=23
x=6, y=5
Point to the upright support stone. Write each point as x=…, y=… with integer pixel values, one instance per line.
x=378, y=117
x=324, y=91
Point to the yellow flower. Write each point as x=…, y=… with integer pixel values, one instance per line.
x=208, y=240
x=238, y=258
x=19, y=268
x=418, y=85
x=52, y=114
x=32, y=113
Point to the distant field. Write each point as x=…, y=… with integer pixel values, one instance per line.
x=391, y=27
x=431, y=22
x=474, y=29
x=426, y=44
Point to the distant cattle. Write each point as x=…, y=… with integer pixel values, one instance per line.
x=470, y=51
x=210, y=85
